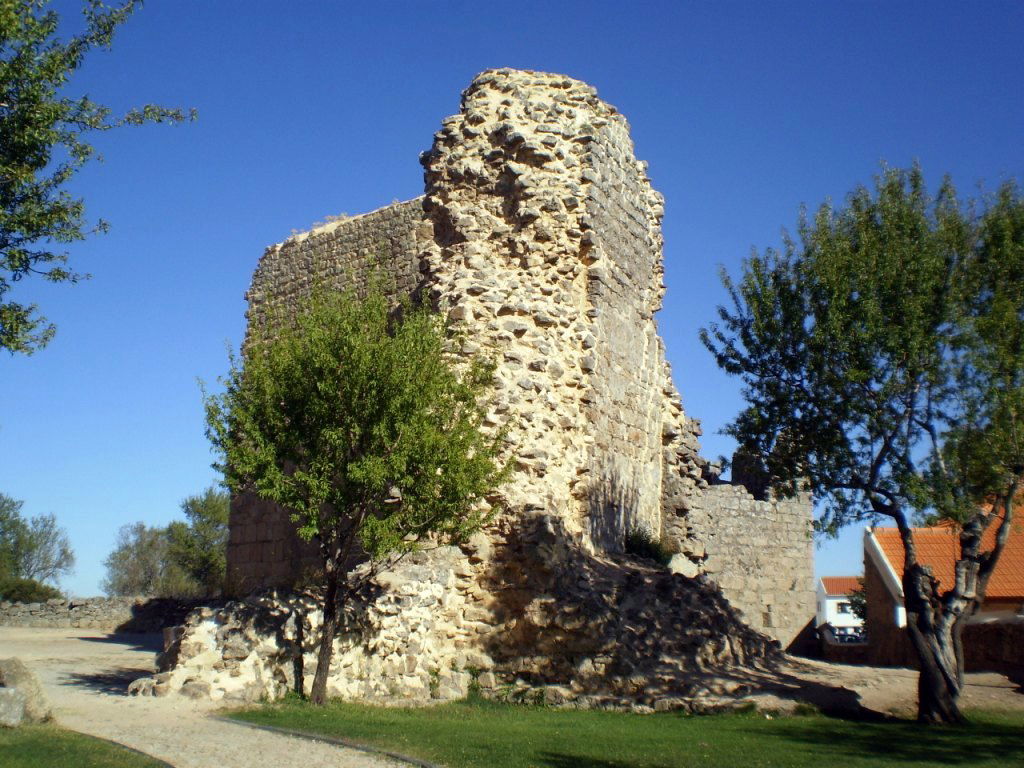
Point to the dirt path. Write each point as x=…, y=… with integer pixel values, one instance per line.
x=85, y=673
x=894, y=690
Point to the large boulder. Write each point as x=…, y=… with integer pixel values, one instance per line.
x=18, y=678
x=12, y=708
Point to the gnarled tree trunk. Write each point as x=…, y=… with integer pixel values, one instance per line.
x=936, y=620
x=940, y=682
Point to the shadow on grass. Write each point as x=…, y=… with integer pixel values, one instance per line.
x=909, y=742
x=563, y=760
x=113, y=681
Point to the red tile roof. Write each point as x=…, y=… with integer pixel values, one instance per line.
x=839, y=586
x=939, y=547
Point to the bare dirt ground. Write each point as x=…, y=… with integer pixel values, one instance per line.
x=888, y=690
x=856, y=691
x=85, y=674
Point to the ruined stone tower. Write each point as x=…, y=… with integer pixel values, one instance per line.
x=540, y=233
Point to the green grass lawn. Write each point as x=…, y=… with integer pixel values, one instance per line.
x=481, y=733
x=43, y=746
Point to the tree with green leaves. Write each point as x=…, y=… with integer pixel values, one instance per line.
x=141, y=564
x=43, y=143
x=882, y=358
x=199, y=546
x=33, y=550
x=352, y=417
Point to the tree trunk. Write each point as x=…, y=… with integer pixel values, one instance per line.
x=318, y=693
x=938, y=685
x=933, y=630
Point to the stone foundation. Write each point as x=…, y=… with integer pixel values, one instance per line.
x=536, y=620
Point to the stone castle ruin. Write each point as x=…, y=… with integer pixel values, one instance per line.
x=539, y=233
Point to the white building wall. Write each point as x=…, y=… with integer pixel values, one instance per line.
x=829, y=610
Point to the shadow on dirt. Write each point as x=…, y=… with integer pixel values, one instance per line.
x=130, y=642
x=113, y=681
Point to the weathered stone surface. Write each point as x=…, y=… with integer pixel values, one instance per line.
x=540, y=235
x=12, y=707
x=14, y=675
x=21, y=697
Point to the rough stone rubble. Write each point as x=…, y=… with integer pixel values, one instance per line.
x=540, y=234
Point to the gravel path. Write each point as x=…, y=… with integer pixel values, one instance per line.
x=85, y=673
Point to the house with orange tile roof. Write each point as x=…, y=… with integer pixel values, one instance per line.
x=833, y=604
x=939, y=548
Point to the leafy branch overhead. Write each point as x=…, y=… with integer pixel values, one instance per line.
x=43, y=143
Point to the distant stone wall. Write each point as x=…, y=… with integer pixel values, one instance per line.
x=122, y=614
x=761, y=554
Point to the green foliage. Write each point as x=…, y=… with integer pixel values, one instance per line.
x=18, y=590
x=32, y=549
x=859, y=601
x=199, y=547
x=642, y=542
x=873, y=353
x=354, y=420
x=983, y=453
x=42, y=145
x=141, y=564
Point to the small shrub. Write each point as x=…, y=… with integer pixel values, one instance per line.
x=474, y=682
x=26, y=591
x=641, y=542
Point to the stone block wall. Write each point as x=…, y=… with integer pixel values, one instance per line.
x=624, y=287
x=263, y=549
x=760, y=553
x=342, y=254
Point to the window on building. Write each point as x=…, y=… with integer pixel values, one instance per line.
x=844, y=607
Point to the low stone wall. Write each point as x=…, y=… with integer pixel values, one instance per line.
x=114, y=614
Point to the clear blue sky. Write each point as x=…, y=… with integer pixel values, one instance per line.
x=743, y=110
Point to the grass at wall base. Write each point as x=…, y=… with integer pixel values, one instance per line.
x=478, y=732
